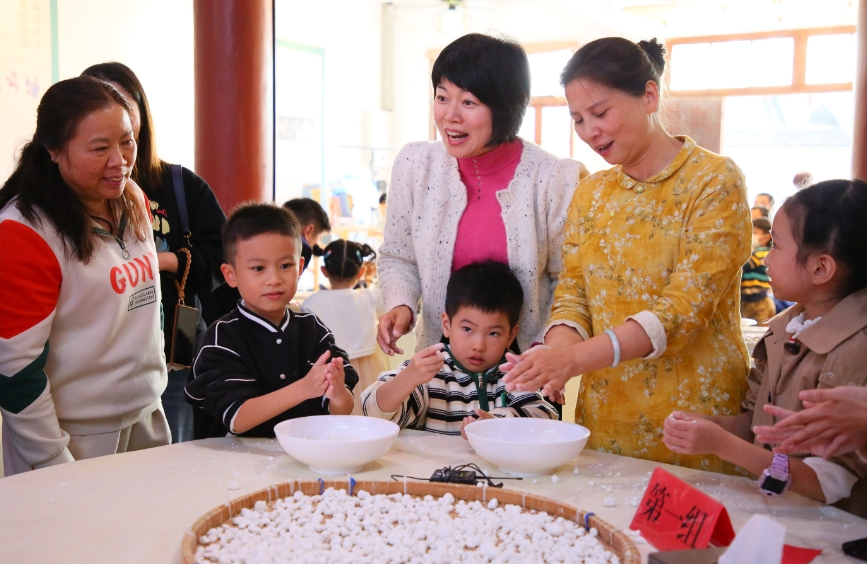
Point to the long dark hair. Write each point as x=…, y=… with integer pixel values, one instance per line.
x=36, y=184
x=148, y=166
x=344, y=259
x=828, y=217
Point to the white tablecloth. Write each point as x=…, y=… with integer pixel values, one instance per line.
x=136, y=507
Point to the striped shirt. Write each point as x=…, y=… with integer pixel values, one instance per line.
x=441, y=405
x=755, y=282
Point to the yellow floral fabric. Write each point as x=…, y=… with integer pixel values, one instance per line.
x=673, y=245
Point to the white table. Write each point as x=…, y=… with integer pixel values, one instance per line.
x=136, y=507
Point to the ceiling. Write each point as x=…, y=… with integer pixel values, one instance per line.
x=685, y=18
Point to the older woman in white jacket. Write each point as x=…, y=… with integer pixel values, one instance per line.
x=480, y=194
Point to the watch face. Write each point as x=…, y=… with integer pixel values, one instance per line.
x=771, y=485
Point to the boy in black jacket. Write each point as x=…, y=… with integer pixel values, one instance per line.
x=263, y=363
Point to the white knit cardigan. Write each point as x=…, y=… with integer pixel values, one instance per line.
x=425, y=203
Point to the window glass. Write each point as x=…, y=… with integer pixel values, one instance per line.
x=528, y=126
x=557, y=130
x=727, y=62
x=545, y=69
x=830, y=59
x=732, y=64
x=771, y=138
x=690, y=66
x=770, y=61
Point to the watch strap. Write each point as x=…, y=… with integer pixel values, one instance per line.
x=780, y=467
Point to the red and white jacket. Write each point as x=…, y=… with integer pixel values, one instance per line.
x=81, y=348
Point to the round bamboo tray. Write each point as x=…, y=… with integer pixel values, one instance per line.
x=614, y=539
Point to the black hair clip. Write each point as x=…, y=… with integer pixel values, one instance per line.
x=792, y=346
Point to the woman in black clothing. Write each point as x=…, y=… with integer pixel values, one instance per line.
x=206, y=219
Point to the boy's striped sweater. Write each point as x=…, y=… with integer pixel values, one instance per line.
x=441, y=405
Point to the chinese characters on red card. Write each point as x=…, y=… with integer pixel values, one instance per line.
x=675, y=516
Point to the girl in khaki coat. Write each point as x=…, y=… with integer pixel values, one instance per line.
x=819, y=260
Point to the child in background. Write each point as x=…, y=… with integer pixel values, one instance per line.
x=819, y=260
x=350, y=313
x=764, y=200
x=758, y=212
x=262, y=363
x=445, y=387
x=756, y=302
x=314, y=223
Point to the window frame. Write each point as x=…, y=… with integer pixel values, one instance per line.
x=799, y=63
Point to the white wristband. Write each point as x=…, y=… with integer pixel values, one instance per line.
x=616, y=344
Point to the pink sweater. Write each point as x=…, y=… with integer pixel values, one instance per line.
x=481, y=231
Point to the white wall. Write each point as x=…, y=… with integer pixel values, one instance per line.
x=155, y=39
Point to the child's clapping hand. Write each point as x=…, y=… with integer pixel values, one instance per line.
x=425, y=364
x=315, y=383
x=480, y=415
x=692, y=433
x=341, y=399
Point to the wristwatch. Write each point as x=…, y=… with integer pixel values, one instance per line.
x=776, y=479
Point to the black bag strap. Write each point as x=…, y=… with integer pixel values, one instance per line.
x=180, y=196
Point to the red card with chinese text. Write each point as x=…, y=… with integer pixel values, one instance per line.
x=676, y=516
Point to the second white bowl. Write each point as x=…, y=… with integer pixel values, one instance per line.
x=525, y=446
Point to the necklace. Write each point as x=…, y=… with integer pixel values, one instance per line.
x=121, y=228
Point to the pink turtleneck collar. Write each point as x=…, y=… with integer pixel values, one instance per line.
x=481, y=231
x=492, y=162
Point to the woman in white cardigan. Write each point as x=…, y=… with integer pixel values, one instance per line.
x=480, y=194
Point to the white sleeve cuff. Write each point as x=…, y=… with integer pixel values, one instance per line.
x=572, y=324
x=655, y=331
x=835, y=480
x=232, y=424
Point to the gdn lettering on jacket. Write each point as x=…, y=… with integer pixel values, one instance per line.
x=131, y=273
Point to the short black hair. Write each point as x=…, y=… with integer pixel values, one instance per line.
x=489, y=286
x=762, y=223
x=308, y=211
x=765, y=211
x=250, y=219
x=768, y=196
x=496, y=71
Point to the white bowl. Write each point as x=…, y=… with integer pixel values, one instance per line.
x=336, y=444
x=524, y=446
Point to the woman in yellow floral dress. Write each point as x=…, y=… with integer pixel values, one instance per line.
x=647, y=306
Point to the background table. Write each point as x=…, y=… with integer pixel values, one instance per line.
x=136, y=507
